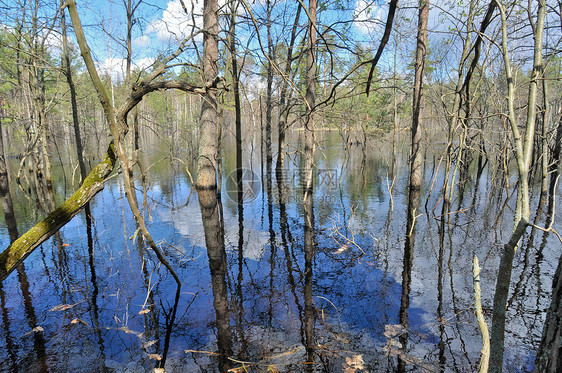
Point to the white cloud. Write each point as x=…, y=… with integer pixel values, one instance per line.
x=142, y=41
x=115, y=67
x=175, y=24
x=144, y=63
x=187, y=222
x=370, y=15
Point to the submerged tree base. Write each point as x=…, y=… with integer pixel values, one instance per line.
x=24, y=245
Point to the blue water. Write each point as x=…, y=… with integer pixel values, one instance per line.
x=109, y=306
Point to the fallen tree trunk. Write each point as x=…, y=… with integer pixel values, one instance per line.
x=26, y=243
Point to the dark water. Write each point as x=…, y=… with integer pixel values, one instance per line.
x=256, y=295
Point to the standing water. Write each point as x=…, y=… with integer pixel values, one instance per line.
x=261, y=291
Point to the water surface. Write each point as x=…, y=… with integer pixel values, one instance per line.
x=256, y=295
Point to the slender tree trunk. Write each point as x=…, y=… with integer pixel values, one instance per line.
x=310, y=97
x=5, y=195
x=208, y=146
x=554, y=168
x=236, y=93
x=549, y=358
x=394, y=124
x=455, y=113
x=416, y=154
x=308, y=180
x=269, y=91
x=284, y=105
x=70, y=81
x=130, y=8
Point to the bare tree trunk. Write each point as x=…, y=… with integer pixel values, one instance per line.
x=309, y=146
x=554, y=168
x=69, y=79
x=208, y=147
x=269, y=91
x=284, y=106
x=455, y=113
x=5, y=195
x=549, y=358
x=236, y=93
x=310, y=97
x=416, y=155
x=130, y=8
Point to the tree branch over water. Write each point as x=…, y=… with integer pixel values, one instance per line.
x=26, y=243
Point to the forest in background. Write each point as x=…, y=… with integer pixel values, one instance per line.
x=480, y=78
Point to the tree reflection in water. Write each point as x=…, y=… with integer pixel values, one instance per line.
x=214, y=239
x=264, y=282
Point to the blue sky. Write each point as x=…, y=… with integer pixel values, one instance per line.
x=162, y=23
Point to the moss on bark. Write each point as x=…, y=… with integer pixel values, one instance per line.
x=26, y=243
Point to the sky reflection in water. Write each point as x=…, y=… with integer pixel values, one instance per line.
x=96, y=312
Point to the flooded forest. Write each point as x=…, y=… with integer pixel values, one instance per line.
x=280, y=186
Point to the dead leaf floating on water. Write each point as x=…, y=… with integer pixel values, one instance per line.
x=155, y=357
x=79, y=321
x=61, y=307
x=394, y=330
x=201, y=352
x=148, y=344
x=37, y=329
x=353, y=364
x=129, y=331
x=237, y=369
x=341, y=249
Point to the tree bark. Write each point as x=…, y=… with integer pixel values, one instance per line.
x=310, y=98
x=5, y=195
x=485, y=354
x=419, y=68
x=236, y=93
x=269, y=91
x=284, y=106
x=208, y=147
x=70, y=81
